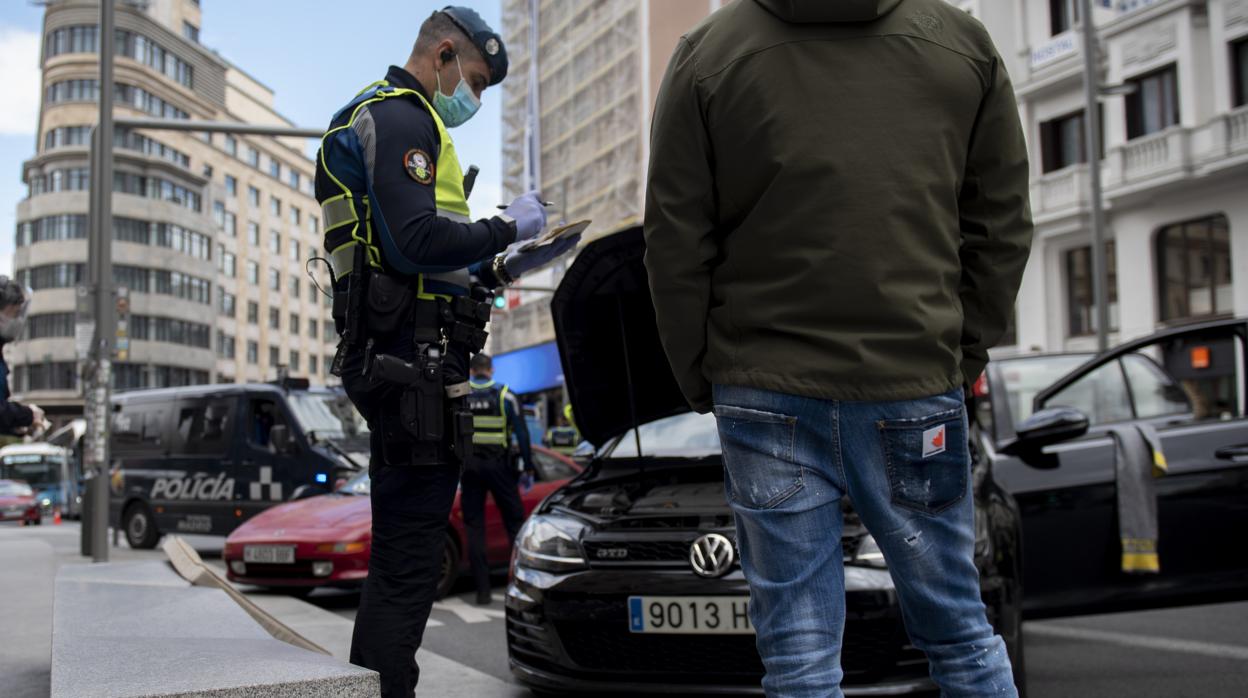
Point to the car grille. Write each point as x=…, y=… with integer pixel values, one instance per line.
x=646, y=553
x=872, y=649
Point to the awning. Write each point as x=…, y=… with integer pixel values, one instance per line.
x=530, y=369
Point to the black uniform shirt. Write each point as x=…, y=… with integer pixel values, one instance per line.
x=390, y=130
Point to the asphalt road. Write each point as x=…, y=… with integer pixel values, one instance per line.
x=1189, y=651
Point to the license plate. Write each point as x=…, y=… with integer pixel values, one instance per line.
x=690, y=615
x=272, y=554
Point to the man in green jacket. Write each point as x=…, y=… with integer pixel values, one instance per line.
x=838, y=191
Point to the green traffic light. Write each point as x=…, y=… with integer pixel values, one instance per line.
x=500, y=302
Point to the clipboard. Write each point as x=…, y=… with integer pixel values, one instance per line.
x=558, y=233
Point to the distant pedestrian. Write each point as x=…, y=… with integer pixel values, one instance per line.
x=15, y=418
x=836, y=225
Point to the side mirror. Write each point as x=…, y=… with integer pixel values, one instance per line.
x=279, y=436
x=1047, y=427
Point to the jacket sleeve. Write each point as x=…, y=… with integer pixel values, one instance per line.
x=423, y=241
x=516, y=418
x=14, y=415
x=995, y=217
x=680, y=225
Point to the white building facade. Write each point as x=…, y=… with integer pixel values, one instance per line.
x=1175, y=167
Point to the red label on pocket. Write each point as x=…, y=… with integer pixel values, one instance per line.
x=934, y=441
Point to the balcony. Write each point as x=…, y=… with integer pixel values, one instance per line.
x=1063, y=191
x=1149, y=161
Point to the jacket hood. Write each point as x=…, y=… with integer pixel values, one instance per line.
x=613, y=363
x=820, y=11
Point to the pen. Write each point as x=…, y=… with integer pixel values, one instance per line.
x=548, y=204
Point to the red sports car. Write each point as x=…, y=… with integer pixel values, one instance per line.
x=18, y=503
x=324, y=540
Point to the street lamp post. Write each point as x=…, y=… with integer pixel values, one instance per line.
x=1092, y=137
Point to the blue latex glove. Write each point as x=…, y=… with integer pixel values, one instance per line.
x=521, y=261
x=529, y=214
x=526, y=482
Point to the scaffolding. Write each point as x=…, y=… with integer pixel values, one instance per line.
x=588, y=130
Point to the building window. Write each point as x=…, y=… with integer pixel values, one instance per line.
x=275, y=207
x=1062, y=141
x=275, y=280
x=275, y=319
x=274, y=356
x=313, y=330
x=253, y=197
x=231, y=224
x=229, y=304
x=294, y=216
x=314, y=224
x=253, y=313
x=1080, y=303
x=190, y=32
x=294, y=287
x=294, y=360
x=275, y=168
x=275, y=242
x=228, y=263
x=1062, y=15
x=253, y=157
x=1239, y=68
x=1154, y=106
x=294, y=178
x=231, y=145
x=225, y=345
x=312, y=365
x=253, y=352
x=294, y=323
x=1194, y=269
x=253, y=273
x=231, y=185
x=293, y=250
x=253, y=233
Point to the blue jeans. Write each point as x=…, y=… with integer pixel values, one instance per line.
x=905, y=466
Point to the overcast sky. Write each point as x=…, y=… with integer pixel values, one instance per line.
x=282, y=43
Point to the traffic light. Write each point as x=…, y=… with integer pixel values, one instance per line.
x=500, y=301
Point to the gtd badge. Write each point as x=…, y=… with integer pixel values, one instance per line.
x=711, y=555
x=612, y=553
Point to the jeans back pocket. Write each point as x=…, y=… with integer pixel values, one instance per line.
x=927, y=460
x=760, y=470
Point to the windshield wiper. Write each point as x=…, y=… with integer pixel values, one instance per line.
x=328, y=443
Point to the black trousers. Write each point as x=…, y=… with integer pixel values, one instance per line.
x=499, y=478
x=411, y=507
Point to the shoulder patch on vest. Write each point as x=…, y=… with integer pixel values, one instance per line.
x=418, y=165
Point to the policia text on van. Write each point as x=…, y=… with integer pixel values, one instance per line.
x=205, y=459
x=412, y=290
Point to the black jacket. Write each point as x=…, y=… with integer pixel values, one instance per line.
x=13, y=415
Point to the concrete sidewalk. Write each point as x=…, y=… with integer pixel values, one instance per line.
x=30, y=557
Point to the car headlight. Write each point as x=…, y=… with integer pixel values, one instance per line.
x=46, y=502
x=869, y=553
x=550, y=543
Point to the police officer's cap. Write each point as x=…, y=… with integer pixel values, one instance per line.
x=487, y=41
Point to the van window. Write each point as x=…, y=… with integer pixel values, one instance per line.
x=263, y=415
x=139, y=429
x=204, y=426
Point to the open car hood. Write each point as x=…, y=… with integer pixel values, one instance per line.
x=616, y=372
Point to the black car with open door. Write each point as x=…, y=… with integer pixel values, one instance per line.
x=1046, y=424
x=614, y=546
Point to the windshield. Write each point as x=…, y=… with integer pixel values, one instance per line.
x=688, y=435
x=38, y=470
x=15, y=489
x=327, y=415
x=360, y=484
x=1026, y=376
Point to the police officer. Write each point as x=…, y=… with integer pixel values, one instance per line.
x=412, y=274
x=15, y=418
x=563, y=437
x=496, y=416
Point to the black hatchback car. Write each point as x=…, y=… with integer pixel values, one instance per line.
x=612, y=587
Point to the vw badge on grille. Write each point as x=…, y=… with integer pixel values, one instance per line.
x=711, y=555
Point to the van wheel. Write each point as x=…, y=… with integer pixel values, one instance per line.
x=450, y=566
x=140, y=525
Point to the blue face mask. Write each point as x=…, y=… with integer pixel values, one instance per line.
x=459, y=107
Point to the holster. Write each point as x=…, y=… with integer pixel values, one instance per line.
x=348, y=309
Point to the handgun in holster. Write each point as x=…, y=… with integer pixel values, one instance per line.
x=421, y=408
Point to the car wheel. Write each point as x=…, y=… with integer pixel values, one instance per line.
x=450, y=566
x=140, y=526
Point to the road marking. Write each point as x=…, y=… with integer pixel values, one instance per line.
x=466, y=613
x=1165, y=644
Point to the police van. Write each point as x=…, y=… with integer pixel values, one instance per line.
x=204, y=459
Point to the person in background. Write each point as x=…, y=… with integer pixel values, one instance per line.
x=562, y=437
x=836, y=227
x=16, y=419
x=496, y=418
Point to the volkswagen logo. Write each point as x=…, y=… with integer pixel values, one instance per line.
x=711, y=555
